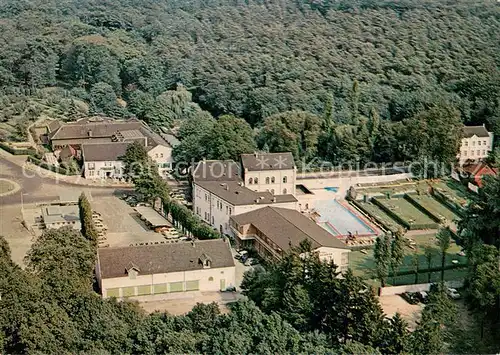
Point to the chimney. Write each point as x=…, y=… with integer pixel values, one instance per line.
x=274, y=199
x=192, y=243
x=255, y=154
x=227, y=187
x=257, y=201
x=89, y=133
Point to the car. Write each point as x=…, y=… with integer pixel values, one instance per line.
x=230, y=289
x=251, y=261
x=143, y=204
x=422, y=296
x=410, y=297
x=453, y=293
x=244, y=258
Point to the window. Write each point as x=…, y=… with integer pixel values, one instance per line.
x=478, y=152
x=91, y=165
x=91, y=173
x=484, y=142
x=161, y=155
x=227, y=209
x=284, y=179
x=213, y=220
x=273, y=180
x=284, y=191
x=156, y=155
x=206, y=197
x=250, y=181
x=465, y=153
x=466, y=143
x=267, y=180
x=484, y=152
x=472, y=153
x=230, y=211
x=473, y=143
x=256, y=180
x=210, y=278
x=479, y=143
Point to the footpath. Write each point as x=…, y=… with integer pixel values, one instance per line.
x=21, y=161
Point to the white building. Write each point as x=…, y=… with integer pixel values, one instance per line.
x=272, y=231
x=476, y=144
x=166, y=268
x=273, y=172
x=103, y=160
x=55, y=217
x=219, y=192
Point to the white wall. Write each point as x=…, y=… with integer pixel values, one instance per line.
x=115, y=168
x=339, y=256
x=227, y=274
x=278, y=186
x=205, y=205
x=162, y=155
x=475, y=148
x=77, y=225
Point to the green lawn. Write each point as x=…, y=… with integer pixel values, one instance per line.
x=377, y=212
x=406, y=210
x=431, y=204
x=364, y=264
x=453, y=190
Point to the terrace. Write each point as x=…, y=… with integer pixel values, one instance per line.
x=405, y=213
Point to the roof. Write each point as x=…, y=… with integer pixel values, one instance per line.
x=67, y=152
x=479, y=131
x=236, y=194
x=54, y=214
x=164, y=258
x=285, y=226
x=153, y=217
x=112, y=151
x=267, y=161
x=171, y=139
x=217, y=170
x=86, y=129
x=72, y=196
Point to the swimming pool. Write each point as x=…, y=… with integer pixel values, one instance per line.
x=332, y=189
x=343, y=221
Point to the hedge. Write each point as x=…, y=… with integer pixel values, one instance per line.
x=15, y=151
x=188, y=221
x=379, y=221
x=44, y=165
x=455, y=207
x=422, y=209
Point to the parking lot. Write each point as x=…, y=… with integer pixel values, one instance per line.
x=124, y=225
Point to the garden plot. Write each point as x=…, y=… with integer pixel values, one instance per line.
x=379, y=215
x=435, y=207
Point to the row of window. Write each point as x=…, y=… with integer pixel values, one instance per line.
x=269, y=180
x=472, y=153
x=161, y=155
x=474, y=143
x=229, y=210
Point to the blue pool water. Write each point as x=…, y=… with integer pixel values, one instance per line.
x=343, y=220
x=332, y=189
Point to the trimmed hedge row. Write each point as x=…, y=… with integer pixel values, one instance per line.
x=55, y=169
x=432, y=269
x=422, y=209
x=188, y=221
x=455, y=207
x=402, y=221
x=15, y=151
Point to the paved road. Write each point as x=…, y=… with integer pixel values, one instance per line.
x=39, y=189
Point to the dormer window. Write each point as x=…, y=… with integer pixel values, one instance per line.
x=205, y=261
x=132, y=270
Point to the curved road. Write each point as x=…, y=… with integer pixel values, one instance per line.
x=41, y=189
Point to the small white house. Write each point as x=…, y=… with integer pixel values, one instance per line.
x=165, y=268
x=476, y=144
x=103, y=160
x=55, y=217
x=162, y=155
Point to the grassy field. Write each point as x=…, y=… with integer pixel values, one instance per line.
x=453, y=190
x=431, y=204
x=406, y=210
x=364, y=264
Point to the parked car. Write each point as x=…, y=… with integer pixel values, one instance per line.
x=453, y=293
x=143, y=204
x=230, y=289
x=410, y=297
x=422, y=296
x=240, y=253
x=251, y=261
x=244, y=258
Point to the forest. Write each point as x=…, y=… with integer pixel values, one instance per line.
x=337, y=65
